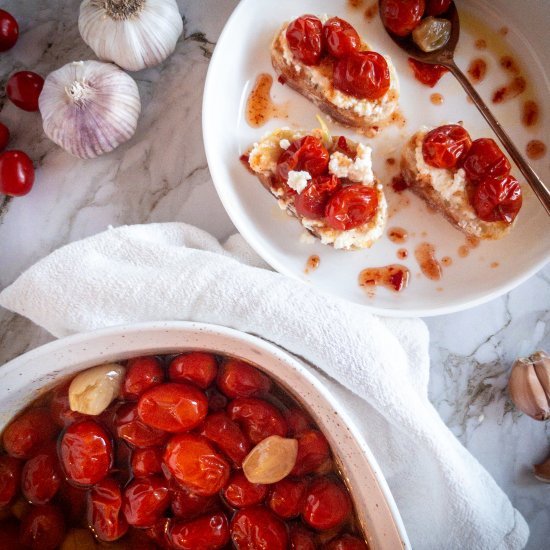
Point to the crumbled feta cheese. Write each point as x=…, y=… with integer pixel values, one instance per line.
x=284, y=144
x=298, y=180
x=359, y=170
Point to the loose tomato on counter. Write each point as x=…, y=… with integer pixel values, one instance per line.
x=16, y=173
x=9, y=31
x=4, y=136
x=23, y=89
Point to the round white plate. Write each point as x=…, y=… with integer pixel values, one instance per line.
x=491, y=269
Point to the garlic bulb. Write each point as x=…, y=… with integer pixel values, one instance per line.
x=133, y=33
x=529, y=385
x=88, y=107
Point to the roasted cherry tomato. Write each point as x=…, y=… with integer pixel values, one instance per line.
x=313, y=451
x=340, y=38
x=287, y=497
x=10, y=477
x=189, y=505
x=227, y=436
x=217, y=401
x=145, y=500
x=16, y=173
x=427, y=73
x=351, y=207
x=173, y=407
x=142, y=373
x=446, y=146
x=364, y=75
x=312, y=201
x=498, y=199
x=327, y=504
x=198, y=368
x=9, y=31
x=240, y=493
x=298, y=421
x=105, y=510
x=25, y=435
x=4, y=136
x=135, y=432
x=195, y=464
x=401, y=17
x=86, y=452
x=307, y=153
x=42, y=527
x=258, y=527
x=23, y=89
x=41, y=476
x=239, y=379
x=485, y=159
x=60, y=408
x=304, y=37
x=159, y=534
x=210, y=532
x=258, y=418
x=346, y=542
x=437, y=7
x=146, y=462
x=301, y=538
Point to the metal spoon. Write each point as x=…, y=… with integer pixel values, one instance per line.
x=445, y=56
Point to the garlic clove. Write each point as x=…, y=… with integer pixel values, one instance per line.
x=541, y=363
x=271, y=460
x=526, y=390
x=542, y=471
x=93, y=390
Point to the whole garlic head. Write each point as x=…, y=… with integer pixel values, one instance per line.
x=89, y=107
x=529, y=385
x=133, y=33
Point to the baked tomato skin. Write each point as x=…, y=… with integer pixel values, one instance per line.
x=351, y=207
x=401, y=17
x=307, y=153
x=304, y=38
x=498, y=199
x=340, y=38
x=446, y=146
x=485, y=159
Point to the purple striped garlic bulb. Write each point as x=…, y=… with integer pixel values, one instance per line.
x=89, y=107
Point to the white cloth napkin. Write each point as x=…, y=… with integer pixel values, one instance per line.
x=177, y=272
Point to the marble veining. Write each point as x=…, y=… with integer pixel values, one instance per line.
x=162, y=175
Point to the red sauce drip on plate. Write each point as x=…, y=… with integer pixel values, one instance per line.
x=530, y=113
x=397, y=235
x=312, y=263
x=260, y=107
x=516, y=87
x=477, y=70
x=394, y=277
x=371, y=11
x=399, y=184
x=508, y=63
x=447, y=261
x=436, y=99
x=535, y=149
x=480, y=44
x=425, y=256
x=427, y=73
x=402, y=253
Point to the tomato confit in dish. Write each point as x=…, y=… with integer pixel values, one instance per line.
x=193, y=451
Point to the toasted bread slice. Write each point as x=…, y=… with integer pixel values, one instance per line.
x=315, y=83
x=446, y=191
x=262, y=160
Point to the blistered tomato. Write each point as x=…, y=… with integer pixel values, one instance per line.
x=41, y=475
x=401, y=16
x=446, y=146
x=142, y=373
x=10, y=477
x=340, y=38
x=304, y=39
x=258, y=527
x=346, y=542
x=307, y=153
x=312, y=201
x=427, y=73
x=240, y=493
x=258, y=418
x=301, y=538
x=60, y=408
x=144, y=500
x=437, y=7
x=188, y=505
x=105, y=510
x=239, y=379
x=327, y=504
x=498, y=199
x=287, y=498
x=146, y=462
x=298, y=421
x=485, y=159
x=42, y=527
x=210, y=532
x=313, y=451
x=351, y=207
x=198, y=368
x=135, y=432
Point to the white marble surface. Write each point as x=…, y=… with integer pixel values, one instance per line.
x=161, y=175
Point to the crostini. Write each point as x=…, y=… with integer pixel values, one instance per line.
x=325, y=60
x=326, y=182
x=469, y=182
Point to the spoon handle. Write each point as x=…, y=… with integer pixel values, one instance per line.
x=542, y=192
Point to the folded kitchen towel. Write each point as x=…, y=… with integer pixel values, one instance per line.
x=378, y=367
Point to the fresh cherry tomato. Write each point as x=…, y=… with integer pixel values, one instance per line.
x=307, y=153
x=60, y=408
x=351, y=207
x=498, y=199
x=240, y=493
x=312, y=201
x=23, y=89
x=86, y=452
x=145, y=500
x=9, y=31
x=41, y=476
x=258, y=527
x=304, y=37
x=173, y=407
x=197, y=367
x=25, y=435
x=146, y=462
x=216, y=400
x=239, y=379
x=210, y=532
x=189, y=505
x=287, y=498
x=227, y=436
x=10, y=477
x=340, y=38
x=364, y=75
x=135, y=432
x=327, y=504
x=313, y=451
x=195, y=464
x=105, y=510
x=346, y=542
x=427, y=73
x=446, y=146
x=9, y=535
x=16, y=173
x=42, y=527
x=73, y=502
x=401, y=17
x=485, y=159
x=298, y=421
x=258, y=418
x=301, y=538
x=4, y=136
x=437, y=7
x=142, y=373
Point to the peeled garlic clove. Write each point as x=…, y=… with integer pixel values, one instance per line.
x=542, y=471
x=88, y=108
x=133, y=33
x=432, y=34
x=92, y=391
x=270, y=460
x=526, y=390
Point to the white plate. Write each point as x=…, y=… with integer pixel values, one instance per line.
x=491, y=269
